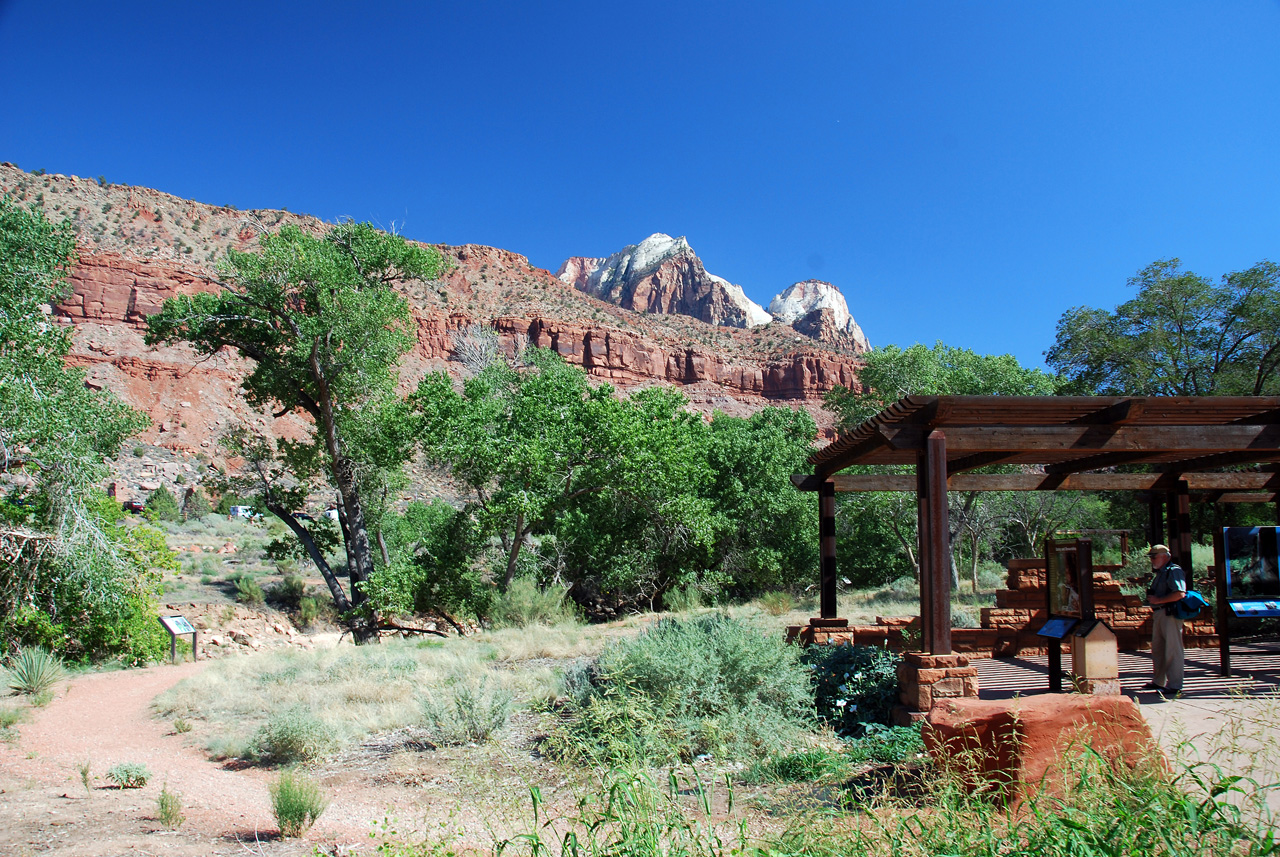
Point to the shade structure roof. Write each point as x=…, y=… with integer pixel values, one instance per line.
x=1066, y=434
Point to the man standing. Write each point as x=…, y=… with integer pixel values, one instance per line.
x=1167, y=589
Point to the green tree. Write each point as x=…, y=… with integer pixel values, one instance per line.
x=527, y=441
x=70, y=577
x=161, y=506
x=324, y=326
x=1180, y=335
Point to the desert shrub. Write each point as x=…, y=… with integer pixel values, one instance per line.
x=288, y=592
x=161, y=506
x=308, y=612
x=33, y=671
x=469, y=711
x=129, y=775
x=685, y=688
x=169, y=808
x=962, y=618
x=248, y=591
x=9, y=718
x=776, y=603
x=196, y=506
x=296, y=802
x=853, y=686
x=682, y=599
x=291, y=735
x=524, y=604
x=181, y=725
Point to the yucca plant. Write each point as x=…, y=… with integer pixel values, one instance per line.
x=33, y=671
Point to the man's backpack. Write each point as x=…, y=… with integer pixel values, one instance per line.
x=1191, y=605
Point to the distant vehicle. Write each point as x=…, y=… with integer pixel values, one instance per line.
x=134, y=506
x=331, y=514
x=244, y=512
x=303, y=516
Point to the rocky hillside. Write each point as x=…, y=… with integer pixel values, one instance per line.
x=818, y=310
x=140, y=246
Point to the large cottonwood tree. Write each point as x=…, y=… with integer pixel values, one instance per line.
x=321, y=320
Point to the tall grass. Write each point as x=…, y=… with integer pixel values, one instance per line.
x=255, y=707
x=525, y=604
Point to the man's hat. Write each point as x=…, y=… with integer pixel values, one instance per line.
x=1158, y=549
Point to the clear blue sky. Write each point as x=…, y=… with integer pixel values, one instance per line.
x=962, y=171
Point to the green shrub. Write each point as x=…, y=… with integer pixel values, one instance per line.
x=197, y=505
x=248, y=591
x=524, y=604
x=129, y=775
x=161, y=506
x=291, y=735
x=181, y=725
x=685, y=688
x=308, y=612
x=682, y=599
x=853, y=686
x=169, y=808
x=469, y=712
x=885, y=744
x=34, y=671
x=288, y=592
x=296, y=802
x=776, y=603
x=9, y=718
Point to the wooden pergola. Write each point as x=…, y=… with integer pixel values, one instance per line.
x=1061, y=443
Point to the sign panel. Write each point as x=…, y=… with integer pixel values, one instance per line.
x=1062, y=574
x=177, y=625
x=1253, y=573
x=1058, y=627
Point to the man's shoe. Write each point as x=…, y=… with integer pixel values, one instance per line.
x=1151, y=685
x=1171, y=692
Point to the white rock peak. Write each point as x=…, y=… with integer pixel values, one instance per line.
x=800, y=299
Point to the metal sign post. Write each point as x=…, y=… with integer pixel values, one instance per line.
x=179, y=626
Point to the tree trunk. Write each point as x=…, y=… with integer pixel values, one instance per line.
x=335, y=586
x=974, y=568
x=516, y=540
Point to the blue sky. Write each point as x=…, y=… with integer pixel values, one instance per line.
x=962, y=171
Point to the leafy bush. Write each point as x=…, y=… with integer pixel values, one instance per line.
x=853, y=686
x=686, y=688
x=469, y=712
x=524, y=604
x=296, y=802
x=129, y=775
x=804, y=766
x=169, y=808
x=161, y=506
x=33, y=671
x=248, y=591
x=776, y=603
x=291, y=735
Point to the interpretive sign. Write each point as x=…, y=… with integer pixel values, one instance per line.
x=1058, y=627
x=178, y=626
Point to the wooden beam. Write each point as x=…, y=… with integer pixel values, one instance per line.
x=1117, y=414
x=1099, y=439
x=1239, y=481
x=1223, y=459
x=1182, y=549
x=978, y=459
x=806, y=482
x=1098, y=462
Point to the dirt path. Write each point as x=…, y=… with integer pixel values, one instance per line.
x=105, y=719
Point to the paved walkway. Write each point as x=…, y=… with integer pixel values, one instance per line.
x=1229, y=724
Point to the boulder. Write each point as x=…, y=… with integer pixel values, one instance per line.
x=1018, y=745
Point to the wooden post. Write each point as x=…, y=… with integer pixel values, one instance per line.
x=1222, y=610
x=1182, y=550
x=1171, y=520
x=827, y=548
x=1155, y=519
x=922, y=542
x=938, y=546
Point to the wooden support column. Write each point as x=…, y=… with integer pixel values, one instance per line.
x=1182, y=549
x=1155, y=519
x=827, y=548
x=936, y=548
x=1222, y=610
x=922, y=541
x=1171, y=523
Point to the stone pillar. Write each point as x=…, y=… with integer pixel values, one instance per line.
x=923, y=679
